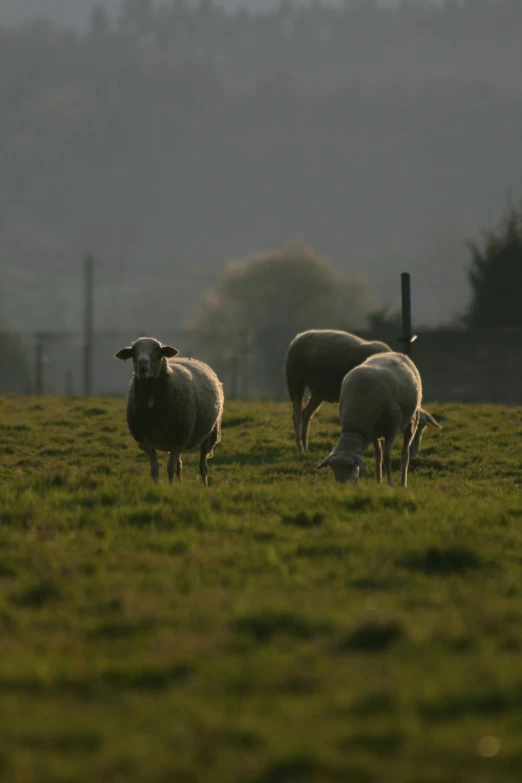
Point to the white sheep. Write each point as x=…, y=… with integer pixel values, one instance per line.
x=318, y=360
x=173, y=405
x=379, y=399
x=425, y=420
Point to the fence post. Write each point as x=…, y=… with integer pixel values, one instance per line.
x=38, y=364
x=88, y=325
x=69, y=383
x=407, y=337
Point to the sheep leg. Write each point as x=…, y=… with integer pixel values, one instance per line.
x=203, y=468
x=312, y=406
x=388, y=446
x=297, y=403
x=378, y=459
x=409, y=434
x=150, y=451
x=174, y=462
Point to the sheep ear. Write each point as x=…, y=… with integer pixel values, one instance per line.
x=168, y=351
x=359, y=461
x=324, y=464
x=124, y=354
x=428, y=419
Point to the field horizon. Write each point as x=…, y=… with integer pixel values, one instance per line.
x=273, y=628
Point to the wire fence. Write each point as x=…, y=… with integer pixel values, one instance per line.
x=474, y=365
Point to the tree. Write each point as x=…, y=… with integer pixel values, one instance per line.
x=267, y=298
x=495, y=274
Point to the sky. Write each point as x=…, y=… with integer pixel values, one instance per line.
x=76, y=12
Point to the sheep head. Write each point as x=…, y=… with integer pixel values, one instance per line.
x=425, y=420
x=345, y=466
x=148, y=356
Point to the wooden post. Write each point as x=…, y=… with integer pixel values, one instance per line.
x=88, y=351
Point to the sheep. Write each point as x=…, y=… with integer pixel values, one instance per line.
x=379, y=399
x=319, y=359
x=173, y=404
x=425, y=420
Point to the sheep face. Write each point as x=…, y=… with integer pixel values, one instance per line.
x=425, y=420
x=346, y=467
x=147, y=355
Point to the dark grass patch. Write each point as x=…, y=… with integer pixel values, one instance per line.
x=458, y=705
x=264, y=626
x=95, y=411
x=372, y=636
x=37, y=595
x=384, y=743
x=303, y=519
x=358, y=502
x=123, y=628
x=442, y=561
x=376, y=703
x=328, y=549
x=143, y=677
x=308, y=769
x=148, y=677
x=373, y=583
x=398, y=504
x=6, y=571
x=236, y=421
x=66, y=742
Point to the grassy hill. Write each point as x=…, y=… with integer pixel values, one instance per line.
x=275, y=628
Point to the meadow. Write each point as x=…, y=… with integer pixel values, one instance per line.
x=275, y=628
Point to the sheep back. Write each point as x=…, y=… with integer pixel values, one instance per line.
x=320, y=358
x=187, y=406
x=380, y=397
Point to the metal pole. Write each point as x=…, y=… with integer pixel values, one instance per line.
x=88, y=325
x=406, y=311
x=38, y=365
x=407, y=337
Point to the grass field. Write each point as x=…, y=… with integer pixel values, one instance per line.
x=275, y=628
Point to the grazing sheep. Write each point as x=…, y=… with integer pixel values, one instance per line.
x=319, y=359
x=425, y=420
x=173, y=405
x=379, y=399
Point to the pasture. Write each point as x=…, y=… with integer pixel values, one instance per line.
x=275, y=628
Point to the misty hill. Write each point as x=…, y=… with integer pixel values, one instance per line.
x=168, y=143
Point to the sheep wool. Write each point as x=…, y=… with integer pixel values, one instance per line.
x=174, y=404
x=380, y=399
x=318, y=360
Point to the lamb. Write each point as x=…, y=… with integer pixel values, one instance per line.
x=379, y=399
x=173, y=405
x=319, y=359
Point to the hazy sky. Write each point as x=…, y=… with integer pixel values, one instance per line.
x=76, y=12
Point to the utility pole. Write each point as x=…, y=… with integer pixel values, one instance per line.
x=407, y=337
x=88, y=335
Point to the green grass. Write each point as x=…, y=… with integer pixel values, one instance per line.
x=275, y=628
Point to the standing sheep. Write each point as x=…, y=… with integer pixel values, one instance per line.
x=319, y=359
x=173, y=405
x=379, y=399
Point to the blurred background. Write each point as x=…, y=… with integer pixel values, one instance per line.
x=239, y=171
